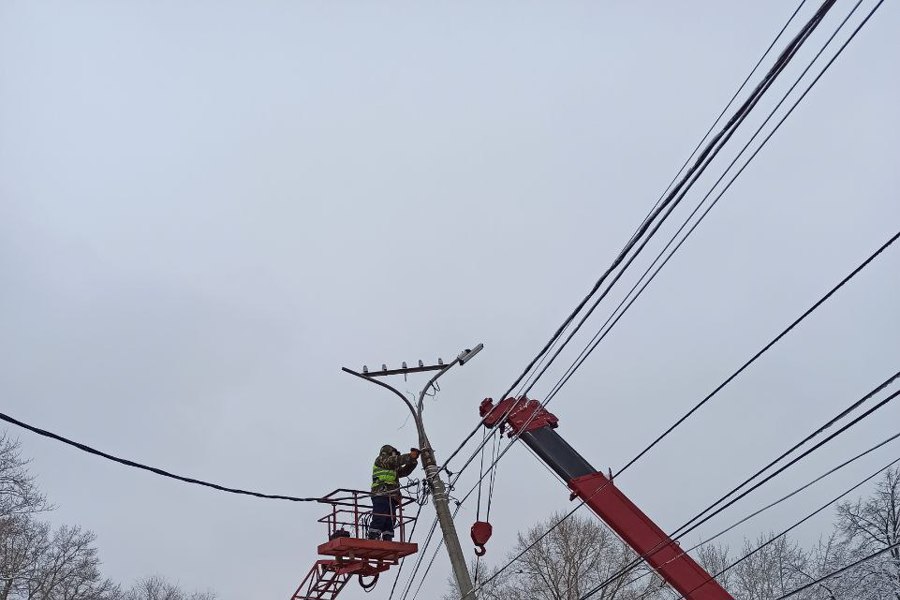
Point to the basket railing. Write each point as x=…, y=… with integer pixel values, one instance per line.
x=351, y=512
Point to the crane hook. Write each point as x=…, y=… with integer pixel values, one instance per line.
x=481, y=533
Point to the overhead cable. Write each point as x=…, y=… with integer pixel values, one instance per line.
x=690, y=525
x=157, y=471
x=793, y=526
x=699, y=519
x=631, y=296
x=804, y=315
x=836, y=572
x=607, y=326
x=746, y=364
x=784, y=499
x=674, y=197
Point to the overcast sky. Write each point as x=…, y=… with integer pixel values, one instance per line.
x=207, y=208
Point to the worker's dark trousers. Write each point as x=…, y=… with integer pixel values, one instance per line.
x=384, y=514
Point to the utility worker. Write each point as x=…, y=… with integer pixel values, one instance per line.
x=389, y=467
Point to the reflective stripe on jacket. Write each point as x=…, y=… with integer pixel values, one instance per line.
x=383, y=478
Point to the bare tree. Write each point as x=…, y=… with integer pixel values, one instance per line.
x=716, y=559
x=19, y=494
x=489, y=582
x=158, y=588
x=775, y=569
x=23, y=543
x=37, y=563
x=68, y=569
x=871, y=525
x=577, y=555
x=830, y=554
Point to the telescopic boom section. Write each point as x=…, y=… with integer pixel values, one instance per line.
x=535, y=426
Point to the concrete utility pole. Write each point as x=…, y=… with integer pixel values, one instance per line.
x=429, y=461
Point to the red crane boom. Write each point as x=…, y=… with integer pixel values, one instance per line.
x=535, y=427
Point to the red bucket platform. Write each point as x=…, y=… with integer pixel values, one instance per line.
x=351, y=553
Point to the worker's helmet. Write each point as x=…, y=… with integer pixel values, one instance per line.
x=388, y=449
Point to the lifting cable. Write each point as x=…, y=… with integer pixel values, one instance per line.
x=484, y=435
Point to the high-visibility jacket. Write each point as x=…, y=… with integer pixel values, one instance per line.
x=389, y=467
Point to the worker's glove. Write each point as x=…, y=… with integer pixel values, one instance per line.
x=414, y=452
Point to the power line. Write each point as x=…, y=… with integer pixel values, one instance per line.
x=743, y=367
x=811, y=309
x=427, y=569
x=136, y=465
x=797, y=491
x=787, y=330
x=403, y=560
x=790, y=528
x=644, y=228
x=678, y=193
x=673, y=198
x=783, y=499
x=815, y=306
x=684, y=165
x=725, y=109
x=691, y=525
x=796, y=446
x=682, y=531
x=699, y=145
x=613, y=319
x=421, y=556
x=839, y=571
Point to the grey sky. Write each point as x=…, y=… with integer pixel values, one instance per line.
x=207, y=208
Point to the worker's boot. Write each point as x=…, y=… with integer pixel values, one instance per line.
x=387, y=537
x=374, y=534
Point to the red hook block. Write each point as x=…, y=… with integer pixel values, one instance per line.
x=481, y=533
